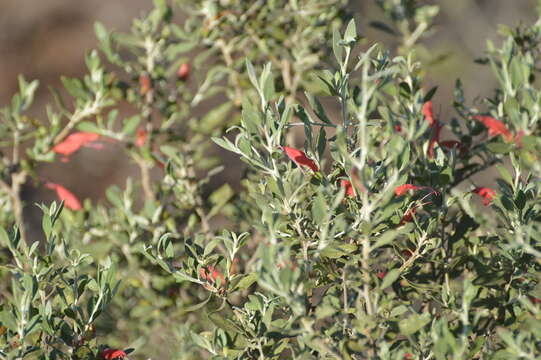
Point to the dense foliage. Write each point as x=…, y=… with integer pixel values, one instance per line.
x=360, y=227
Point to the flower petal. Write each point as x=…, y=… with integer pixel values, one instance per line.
x=112, y=354
x=70, y=200
x=495, y=127
x=402, y=189
x=486, y=193
x=429, y=113
x=74, y=142
x=300, y=158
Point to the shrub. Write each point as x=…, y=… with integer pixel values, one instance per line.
x=374, y=239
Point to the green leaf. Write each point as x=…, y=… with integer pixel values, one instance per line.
x=89, y=127
x=336, y=47
x=246, y=281
x=390, y=278
x=499, y=148
x=350, y=35
x=414, y=323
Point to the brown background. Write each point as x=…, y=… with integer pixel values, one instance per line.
x=44, y=39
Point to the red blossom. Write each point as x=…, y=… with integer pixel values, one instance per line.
x=70, y=200
x=408, y=356
x=112, y=354
x=398, y=128
x=429, y=113
x=300, y=158
x=145, y=83
x=141, y=137
x=211, y=274
x=495, y=127
x=74, y=142
x=534, y=300
x=402, y=189
x=381, y=274
x=183, y=71
x=486, y=193
x=346, y=184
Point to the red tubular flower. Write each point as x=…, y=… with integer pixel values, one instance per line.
x=486, y=193
x=429, y=113
x=408, y=356
x=402, y=189
x=495, y=127
x=381, y=274
x=74, y=142
x=346, y=184
x=112, y=354
x=183, y=71
x=534, y=300
x=398, y=128
x=70, y=200
x=300, y=158
x=211, y=274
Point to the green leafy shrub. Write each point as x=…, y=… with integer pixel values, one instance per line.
x=377, y=239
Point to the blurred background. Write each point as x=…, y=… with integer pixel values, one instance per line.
x=44, y=39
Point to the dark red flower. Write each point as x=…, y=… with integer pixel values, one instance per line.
x=381, y=274
x=112, y=354
x=402, y=189
x=183, y=71
x=300, y=158
x=346, y=184
x=70, y=200
x=74, y=142
x=429, y=113
x=145, y=83
x=398, y=128
x=408, y=215
x=486, y=193
x=495, y=127
x=449, y=144
x=534, y=300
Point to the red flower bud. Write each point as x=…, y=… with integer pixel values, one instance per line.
x=70, y=200
x=141, y=137
x=145, y=83
x=346, y=184
x=486, y=193
x=434, y=139
x=300, y=158
x=495, y=127
x=429, y=113
x=211, y=274
x=183, y=71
